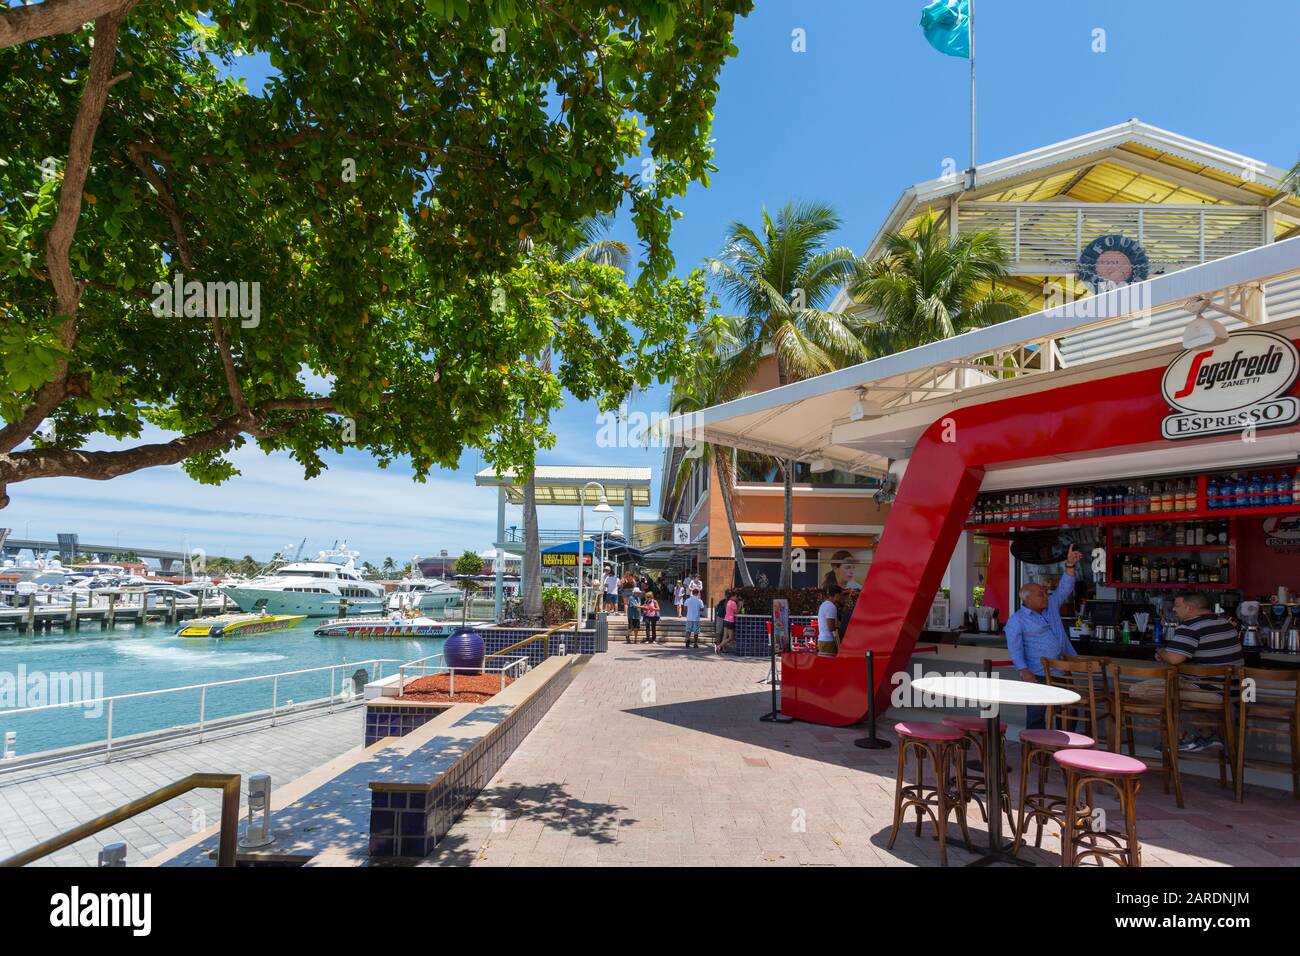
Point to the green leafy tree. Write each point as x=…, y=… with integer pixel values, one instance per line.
x=467, y=567
x=349, y=245
x=927, y=285
x=390, y=566
x=782, y=278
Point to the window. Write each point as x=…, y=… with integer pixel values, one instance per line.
x=752, y=468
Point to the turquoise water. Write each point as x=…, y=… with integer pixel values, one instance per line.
x=151, y=657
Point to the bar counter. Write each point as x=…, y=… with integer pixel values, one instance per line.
x=994, y=645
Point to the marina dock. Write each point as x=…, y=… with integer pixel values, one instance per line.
x=35, y=618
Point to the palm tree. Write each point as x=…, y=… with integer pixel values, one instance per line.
x=712, y=382
x=590, y=247
x=928, y=285
x=781, y=278
x=1291, y=181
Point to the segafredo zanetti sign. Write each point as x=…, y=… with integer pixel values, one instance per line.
x=1230, y=387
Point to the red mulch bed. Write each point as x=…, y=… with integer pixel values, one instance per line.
x=470, y=688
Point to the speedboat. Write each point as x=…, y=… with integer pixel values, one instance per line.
x=376, y=627
x=236, y=625
x=330, y=586
x=423, y=595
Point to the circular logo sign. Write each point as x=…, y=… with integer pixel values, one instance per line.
x=1250, y=368
x=1112, y=260
x=1282, y=531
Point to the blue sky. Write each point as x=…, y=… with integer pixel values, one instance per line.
x=867, y=110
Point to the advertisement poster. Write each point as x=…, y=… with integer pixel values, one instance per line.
x=845, y=567
x=781, y=625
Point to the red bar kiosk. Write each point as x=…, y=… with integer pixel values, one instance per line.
x=1174, y=463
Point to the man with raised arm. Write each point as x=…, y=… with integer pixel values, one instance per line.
x=1036, y=631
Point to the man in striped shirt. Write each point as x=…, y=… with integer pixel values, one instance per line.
x=1202, y=637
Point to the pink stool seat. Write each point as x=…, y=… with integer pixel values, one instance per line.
x=1099, y=761
x=1063, y=739
x=974, y=725
x=924, y=731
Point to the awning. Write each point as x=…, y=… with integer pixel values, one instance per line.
x=614, y=548
x=810, y=540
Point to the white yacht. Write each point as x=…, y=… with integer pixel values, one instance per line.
x=424, y=595
x=330, y=586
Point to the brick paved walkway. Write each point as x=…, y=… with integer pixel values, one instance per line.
x=656, y=756
x=38, y=803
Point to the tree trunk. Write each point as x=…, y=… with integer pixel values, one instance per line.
x=787, y=575
x=724, y=491
x=532, y=569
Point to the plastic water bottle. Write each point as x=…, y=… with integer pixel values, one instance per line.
x=1212, y=493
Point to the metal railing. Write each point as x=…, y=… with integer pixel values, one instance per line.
x=108, y=702
x=227, y=783
x=1052, y=234
x=519, y=664
x=544, y=637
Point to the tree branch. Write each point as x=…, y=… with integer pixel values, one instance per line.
x=58, y=242
x=103, y=465
x=26, y=23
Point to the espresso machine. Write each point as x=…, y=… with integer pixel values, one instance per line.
x=1248, y=615
x=1280, y=624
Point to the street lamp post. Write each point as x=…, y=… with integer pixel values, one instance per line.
x=604, y=555
x=602, y=507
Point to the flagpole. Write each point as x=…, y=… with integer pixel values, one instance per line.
x=970, y=179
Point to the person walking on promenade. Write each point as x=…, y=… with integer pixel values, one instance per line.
x=611, y=590
x=728, y=624
x=634, y=615
x=679, y=598
x=625, y=587
x=651, y=613
x=694, y=608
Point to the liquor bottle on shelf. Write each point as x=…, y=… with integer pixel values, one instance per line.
x=1295, y=488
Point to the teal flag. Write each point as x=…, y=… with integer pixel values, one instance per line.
x=946, y=25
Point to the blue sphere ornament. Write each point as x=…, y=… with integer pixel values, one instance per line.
x=464, y=650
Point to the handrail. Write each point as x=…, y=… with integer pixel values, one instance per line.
x=529, y=640
x=215, y=683
x=227, y=783
x=203, y=697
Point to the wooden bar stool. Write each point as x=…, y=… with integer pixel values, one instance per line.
x=1037, y=747
x=1086, y=676
x=942, y=745
x=974, y=729
x=1270, y=705
x=1205, y=697
x=1081, y=839
x=1146, y=698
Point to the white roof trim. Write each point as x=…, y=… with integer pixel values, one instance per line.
x=1255, y=265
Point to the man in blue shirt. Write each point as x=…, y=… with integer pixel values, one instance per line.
x=1035, y=631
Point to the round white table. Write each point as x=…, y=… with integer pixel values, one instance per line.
x=964, y=690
